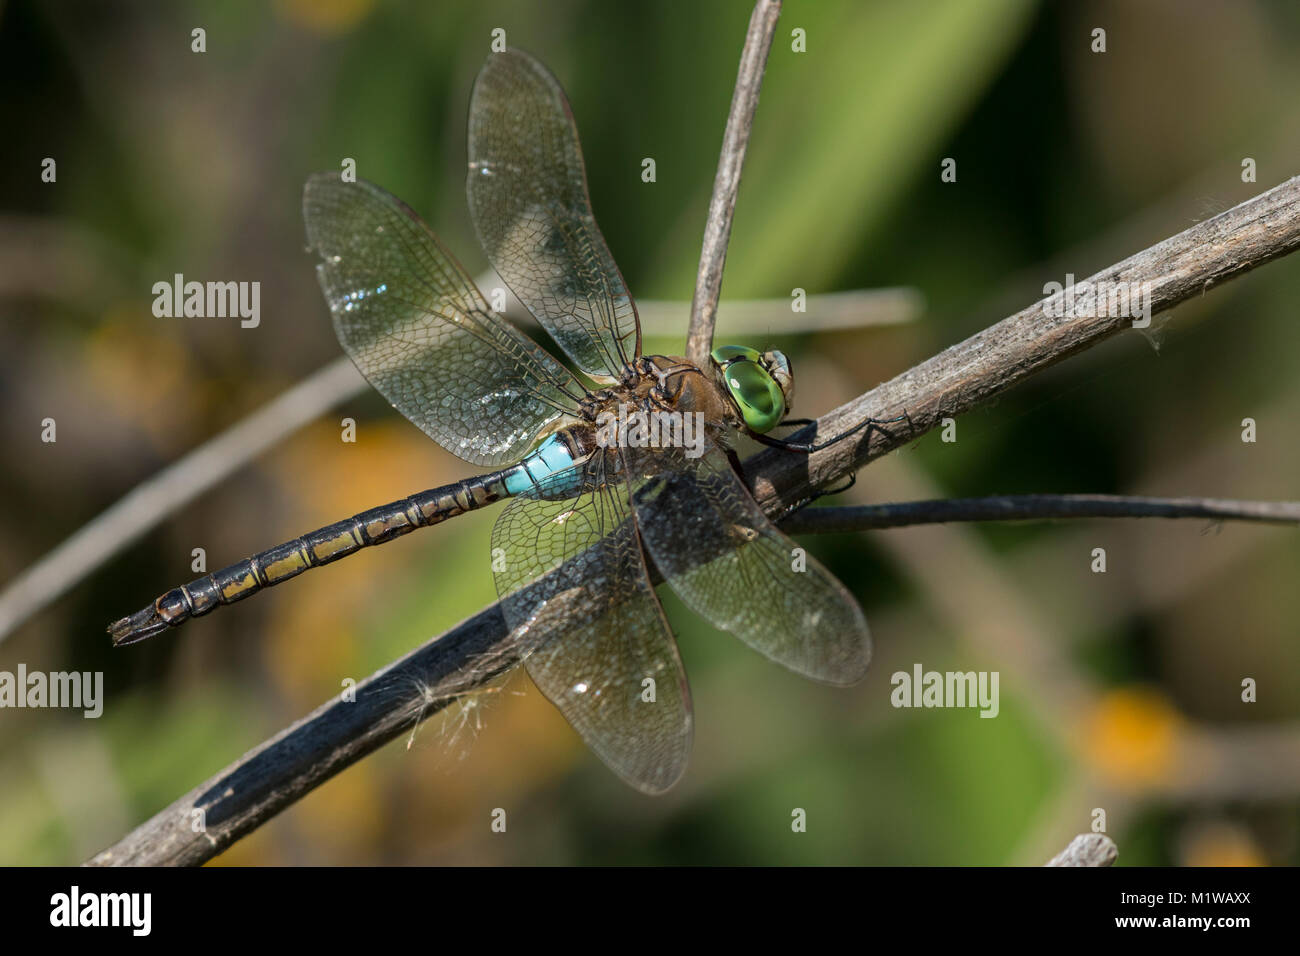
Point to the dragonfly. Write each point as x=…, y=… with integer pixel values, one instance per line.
x=604, y=481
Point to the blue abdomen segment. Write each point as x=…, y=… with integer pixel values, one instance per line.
x=551, y=457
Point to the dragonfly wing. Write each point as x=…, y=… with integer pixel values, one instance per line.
x=733, y=567
x=528, y=198
x=574, y=589
x=420, y=331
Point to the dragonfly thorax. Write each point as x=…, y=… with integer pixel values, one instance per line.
x=663, y=383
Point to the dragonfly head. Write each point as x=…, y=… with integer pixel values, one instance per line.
x=759, y=384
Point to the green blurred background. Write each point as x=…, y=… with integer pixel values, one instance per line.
x=1120, y=691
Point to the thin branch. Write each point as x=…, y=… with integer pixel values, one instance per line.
x=262, y=783
x=1087, y=849
x=1033, y=508
x=747, y=318
x=722, y=206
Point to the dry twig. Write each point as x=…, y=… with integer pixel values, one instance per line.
x=722, y=207
x=1087, y=849
x=1034, y=508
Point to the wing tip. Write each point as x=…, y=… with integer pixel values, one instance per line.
x=658, y=780
x=853, y=667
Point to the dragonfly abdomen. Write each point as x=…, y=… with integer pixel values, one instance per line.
x=559, y=453
x=319, y=547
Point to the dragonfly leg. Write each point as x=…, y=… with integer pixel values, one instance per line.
x=736, y=466
x=850, y=480
x=807, y=448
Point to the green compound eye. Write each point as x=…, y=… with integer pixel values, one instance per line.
x=754, y=391
x=729, y=353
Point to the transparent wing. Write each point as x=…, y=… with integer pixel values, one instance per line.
x=730, y=564
x=528, y=199
x=574, y=588
x=420, y=331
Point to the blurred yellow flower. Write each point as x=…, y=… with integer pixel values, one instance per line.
x=325, y=16
x=1132, y=737
x=1219, y=844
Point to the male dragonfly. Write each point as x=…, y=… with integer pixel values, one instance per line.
x=595, y=487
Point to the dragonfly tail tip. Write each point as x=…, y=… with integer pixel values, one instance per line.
x=139, y=626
